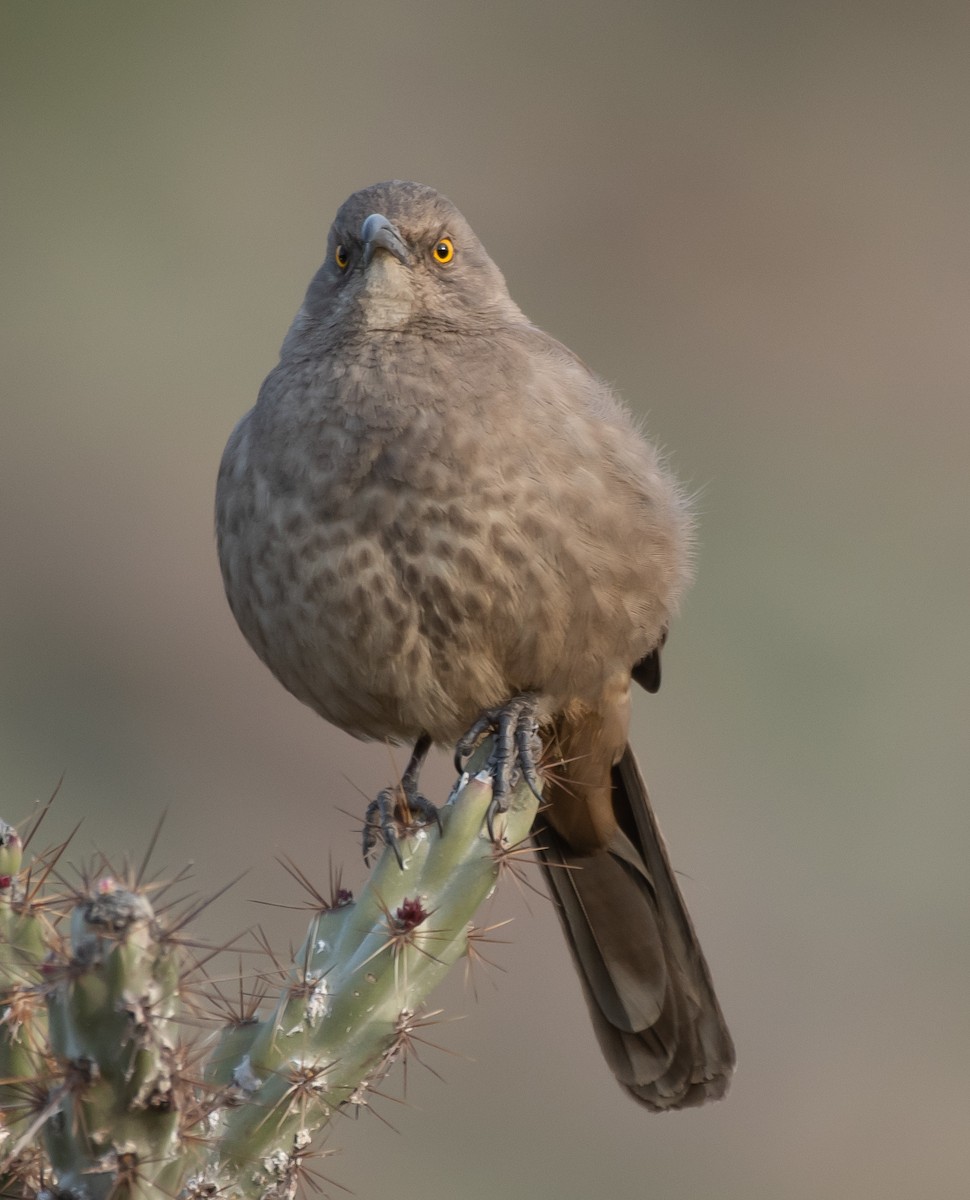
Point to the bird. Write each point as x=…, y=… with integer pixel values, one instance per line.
x=435, y=511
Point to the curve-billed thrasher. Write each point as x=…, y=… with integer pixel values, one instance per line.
x=435, y=508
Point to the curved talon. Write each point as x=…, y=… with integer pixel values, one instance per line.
x=379, y=826
x=486, y=723
x=400, y=810
x=396, y=813
x=526, y=741
x=515, y=726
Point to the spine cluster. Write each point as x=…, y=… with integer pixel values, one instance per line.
x=105, y=1092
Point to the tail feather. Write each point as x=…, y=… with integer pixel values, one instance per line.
x=644, y=976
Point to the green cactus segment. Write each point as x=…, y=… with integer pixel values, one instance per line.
x=11, y=851
x=23, y=934
x=113, y=1040
x=234, y=1044
x=23, y=1016
x=359, y=978
x=89, y=1062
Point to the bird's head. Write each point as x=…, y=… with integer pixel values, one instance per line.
x=401, y=257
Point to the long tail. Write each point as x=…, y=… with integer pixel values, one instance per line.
x=647, y=985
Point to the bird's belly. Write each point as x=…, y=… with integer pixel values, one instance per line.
x=383, y=626
x=393, y=610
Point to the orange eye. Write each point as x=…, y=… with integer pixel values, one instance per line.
x=341, y=257
x=444, y=251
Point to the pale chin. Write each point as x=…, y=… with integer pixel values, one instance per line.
x=387, y=295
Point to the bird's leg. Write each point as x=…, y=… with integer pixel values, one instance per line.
x=399, y=810
x=517, y=747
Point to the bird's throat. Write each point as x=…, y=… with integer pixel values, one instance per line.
x=387, y=295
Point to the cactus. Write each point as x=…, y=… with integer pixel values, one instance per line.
x=101, y=1098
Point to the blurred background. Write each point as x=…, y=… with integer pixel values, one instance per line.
x=753, y=219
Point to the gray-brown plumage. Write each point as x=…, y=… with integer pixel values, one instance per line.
x=435, y=507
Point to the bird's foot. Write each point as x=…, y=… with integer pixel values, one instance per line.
x=517, y=750
x=400, y=811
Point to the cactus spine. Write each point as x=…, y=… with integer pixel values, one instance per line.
x=96, y=1089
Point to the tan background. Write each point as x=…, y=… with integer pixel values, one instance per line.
x=753, y=217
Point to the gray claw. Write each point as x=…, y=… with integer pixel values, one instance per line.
x=515, y=726
x=393, y=815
